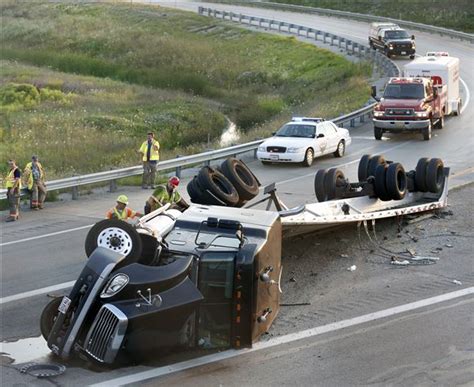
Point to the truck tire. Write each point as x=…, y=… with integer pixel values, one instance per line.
x=241, y=178
x=458, y=109
x=380, y=183
x=48, y=317
x=374, y=161
x=341, y=149
x=116, y=235
x=319, y=187
x=440, y=122
x=362, y=171
x=330, y=182
x=219, y=185
x=194, y=190
x=378, y=133
x=412, y=57
x=427, y=132
x=396, y=181
x=420, y=174
x=435, y=175
x=308, y=157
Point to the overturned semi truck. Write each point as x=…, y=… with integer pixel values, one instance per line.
x=209, y=277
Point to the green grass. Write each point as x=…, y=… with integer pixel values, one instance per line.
x=82, y=84
x=457, y=15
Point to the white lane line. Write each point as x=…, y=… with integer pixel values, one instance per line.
x=45, y=235
x=177, y=367
x=37, y=292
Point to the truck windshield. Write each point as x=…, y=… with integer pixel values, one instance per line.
x=292, y=130
x=399, y=34
x=404, y=91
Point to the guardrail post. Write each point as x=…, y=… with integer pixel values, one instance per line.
x=112, y=184
x=279, y=26
x=178, y=169
x=240, y=18
x=352, y=123
x=333, y=37
x=200, y=10
x=75, y=193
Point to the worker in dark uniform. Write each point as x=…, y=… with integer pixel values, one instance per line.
x=166, y=193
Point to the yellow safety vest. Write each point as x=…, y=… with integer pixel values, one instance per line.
x=29, y=173
x=10, y=183
x=154, y=153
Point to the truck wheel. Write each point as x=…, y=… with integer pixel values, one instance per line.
x=48, y=317
x=458, y=109
x=378, y=132
x=396, y=181
x=412, y=57
x=194, y=190
x=440, y=122
x=330, y=182
x=219, y=185
x=241, y=178
x=420, y=174
x=362, y=171
x=374, y=161
x=435, y=175
x=427, y=132
x=319, y=188
x=380, y=183
x=308, y=158
x=341, y=149
x=116, y=235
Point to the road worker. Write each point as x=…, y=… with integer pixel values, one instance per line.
x=13, y=186
x=34, y=177
x=166, y=193
x=121, y=211
x=150, y=156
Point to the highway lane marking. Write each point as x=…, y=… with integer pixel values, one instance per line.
x=36, y=292
x=289, y=338
x=45, y=235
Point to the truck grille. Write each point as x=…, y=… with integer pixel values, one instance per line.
x=399, y=112
x=106, y=334
x=276, y=149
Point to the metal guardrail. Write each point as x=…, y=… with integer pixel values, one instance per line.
x=369, y=18
x=385, y=65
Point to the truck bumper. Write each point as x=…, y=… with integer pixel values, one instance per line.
x=401, y=51
x=401, y=125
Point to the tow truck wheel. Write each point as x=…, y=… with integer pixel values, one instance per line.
x=116, y=235
x=435, y=175
x=330, y=182
x=308, y=158
x=48, y=316
x=241, y=178
x=396, y=181
x=374, y=162
x=380, y=183
x=378, y=132
x=420, y=174
x=363, y=168
x=319, y=188
x=427, y=132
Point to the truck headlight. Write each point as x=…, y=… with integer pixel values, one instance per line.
x=421, y=114
x=293, y=150
x=390, y=46
x=378, y=113
x=115, y=285
x=413, y=45
x=262, y=148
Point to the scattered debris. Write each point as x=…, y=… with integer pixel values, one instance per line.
x=292, y=279
x=412, y=252
x=439, y=248
x=414, y=239
x=457, y=282
x=42, y=370
x=296, y=304
x=352, y=268
x=313, y=274
x=415, y=219
x=448, y=245
x=395, y=261
x=344, y=256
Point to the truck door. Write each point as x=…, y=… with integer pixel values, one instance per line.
x=216, y=280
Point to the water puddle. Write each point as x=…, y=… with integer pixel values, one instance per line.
x=230, y=135
x=25, y=350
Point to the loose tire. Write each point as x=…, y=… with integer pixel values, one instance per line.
x=319, y=187
x=378, y=133
x=48, y=317
x=341, y=149
x=380, y=182
x=116, y=235
x=374, y=162
x=396, y=181
x=219, y=185
x=435, y=175
x=427, y=132
x=241, y=178
x=420, y=174
x=308, y=157
x=363, y=168
x=330, y=182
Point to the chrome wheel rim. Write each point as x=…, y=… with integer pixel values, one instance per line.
x=115, y=239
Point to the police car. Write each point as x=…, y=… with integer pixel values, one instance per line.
x=302, y=139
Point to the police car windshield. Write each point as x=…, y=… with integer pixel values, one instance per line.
x=396, y=35
x=404, y=91
x=294, y=130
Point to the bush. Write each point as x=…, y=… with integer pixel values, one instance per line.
x=15, y=96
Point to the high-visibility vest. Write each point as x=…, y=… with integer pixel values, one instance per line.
x=121, y=215
x=11, y=180
x=29, y=172
x=154, y=153
x=162, y=195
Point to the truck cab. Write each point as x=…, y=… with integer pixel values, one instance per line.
x=392, y=40
x=410, y=104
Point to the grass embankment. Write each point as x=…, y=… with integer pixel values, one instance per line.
x=457, y=15
x=82, y=84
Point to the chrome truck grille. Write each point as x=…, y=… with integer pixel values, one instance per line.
x=106, y=334
x=400, y=112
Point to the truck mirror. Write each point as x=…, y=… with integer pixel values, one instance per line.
x=377, y=98
x=413, y=37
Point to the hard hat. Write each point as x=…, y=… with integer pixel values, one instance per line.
x=174, y=181
x=122, y=199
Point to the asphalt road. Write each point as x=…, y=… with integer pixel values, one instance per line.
x=31, y=260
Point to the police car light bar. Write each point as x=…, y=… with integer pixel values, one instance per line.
x=307, y=119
